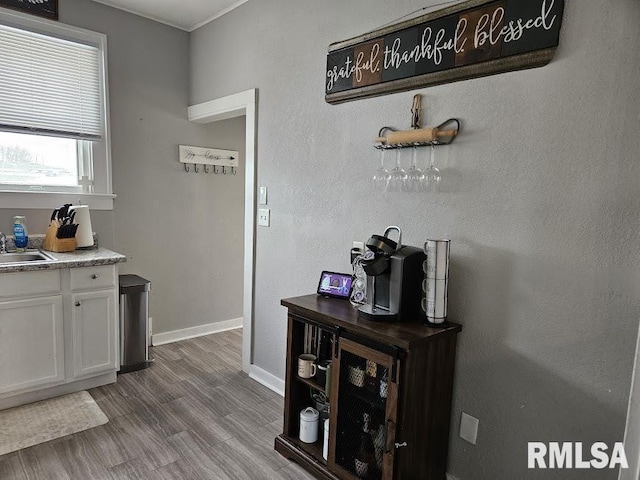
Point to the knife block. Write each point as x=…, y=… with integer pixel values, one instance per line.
x=58, y=245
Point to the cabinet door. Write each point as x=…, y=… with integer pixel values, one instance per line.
x=363, y=412
x=31, y=343
x=93, y=320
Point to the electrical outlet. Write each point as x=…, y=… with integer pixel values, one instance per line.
x=264, y=217
x=358, y=245
x=469, y=428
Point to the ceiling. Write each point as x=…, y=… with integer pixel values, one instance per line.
x=185, y=14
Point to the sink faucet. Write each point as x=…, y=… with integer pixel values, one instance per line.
x=3, y=243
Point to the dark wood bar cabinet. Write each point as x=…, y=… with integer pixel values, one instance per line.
x=390, y=393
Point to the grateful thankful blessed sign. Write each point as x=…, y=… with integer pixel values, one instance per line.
x=44, y=8
x=472, y=39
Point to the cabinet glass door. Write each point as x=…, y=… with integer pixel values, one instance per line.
x=363, y=412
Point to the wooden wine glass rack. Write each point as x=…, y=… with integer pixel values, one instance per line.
x=390, y=138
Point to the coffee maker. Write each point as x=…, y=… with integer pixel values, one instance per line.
x=394, y=279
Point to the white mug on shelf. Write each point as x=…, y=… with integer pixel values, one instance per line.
x=307, y=365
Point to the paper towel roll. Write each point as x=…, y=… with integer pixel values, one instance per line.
x=84, y=235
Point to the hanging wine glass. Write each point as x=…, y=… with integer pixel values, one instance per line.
x=381, y=176
x=415, y=177
x=397, y=176
x=432, y=175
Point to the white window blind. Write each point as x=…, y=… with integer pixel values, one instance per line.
x=49, y=85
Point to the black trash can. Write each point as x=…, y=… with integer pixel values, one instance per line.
x=134, y=323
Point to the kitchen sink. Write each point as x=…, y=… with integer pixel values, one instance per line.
x=30, y=256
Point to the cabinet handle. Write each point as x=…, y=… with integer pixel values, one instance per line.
x=94, y=276
x=78, y=304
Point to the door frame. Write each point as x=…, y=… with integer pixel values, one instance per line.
x=238, y=105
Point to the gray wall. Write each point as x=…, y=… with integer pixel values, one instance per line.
x=540, y=202
x=182, y=231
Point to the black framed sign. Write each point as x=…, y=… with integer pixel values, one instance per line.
x=43, y=8
x=471, y=39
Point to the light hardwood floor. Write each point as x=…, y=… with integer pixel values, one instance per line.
x=192, y=415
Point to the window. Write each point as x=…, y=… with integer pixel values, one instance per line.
x=54, y=135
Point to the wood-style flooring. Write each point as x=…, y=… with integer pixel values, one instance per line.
x=192, y=415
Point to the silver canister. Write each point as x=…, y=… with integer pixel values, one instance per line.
x=436, y=281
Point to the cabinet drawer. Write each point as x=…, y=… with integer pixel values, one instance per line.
x=89, y=278
x=22, y=284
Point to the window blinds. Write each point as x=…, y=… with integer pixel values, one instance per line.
x=49, y=85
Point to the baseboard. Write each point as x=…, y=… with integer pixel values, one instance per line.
x=268, y=380
x=193, y=332
x=72, y=387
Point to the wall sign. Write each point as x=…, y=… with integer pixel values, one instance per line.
x=472, y=39
x=43, y=8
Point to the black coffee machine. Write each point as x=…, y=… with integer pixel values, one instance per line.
x=394, y=279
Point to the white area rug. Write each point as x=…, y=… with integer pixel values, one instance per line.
x=29, y=425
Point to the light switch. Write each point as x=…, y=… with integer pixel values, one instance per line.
x=469, y=428
x=262, y=195
x=264, y=217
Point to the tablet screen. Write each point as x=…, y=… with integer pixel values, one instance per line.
x=335, y=284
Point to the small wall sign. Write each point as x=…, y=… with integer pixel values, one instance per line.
x=43, y=8
x=472, y=39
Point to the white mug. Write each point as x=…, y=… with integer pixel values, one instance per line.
x=437, y=263
x=306, y=365
x=434, y=303
x=356, y=376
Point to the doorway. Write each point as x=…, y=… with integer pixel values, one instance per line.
x=231, y=106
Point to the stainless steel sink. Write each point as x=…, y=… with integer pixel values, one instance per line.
x=30, y=256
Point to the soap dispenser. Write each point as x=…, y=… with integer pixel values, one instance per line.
x=20, y=234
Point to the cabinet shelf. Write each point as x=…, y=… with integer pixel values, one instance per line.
x=364, y=395
x=311, y=383
x=313, y=449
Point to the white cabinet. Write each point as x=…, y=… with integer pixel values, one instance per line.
x=31, y=343
x=93, y=323
x=58, y=332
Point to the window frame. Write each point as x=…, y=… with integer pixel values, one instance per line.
x=102, y=196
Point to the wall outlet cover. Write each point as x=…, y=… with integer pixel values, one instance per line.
x=469, y=428
x=264, y=217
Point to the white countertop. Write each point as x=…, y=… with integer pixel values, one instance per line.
x=79, y=258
